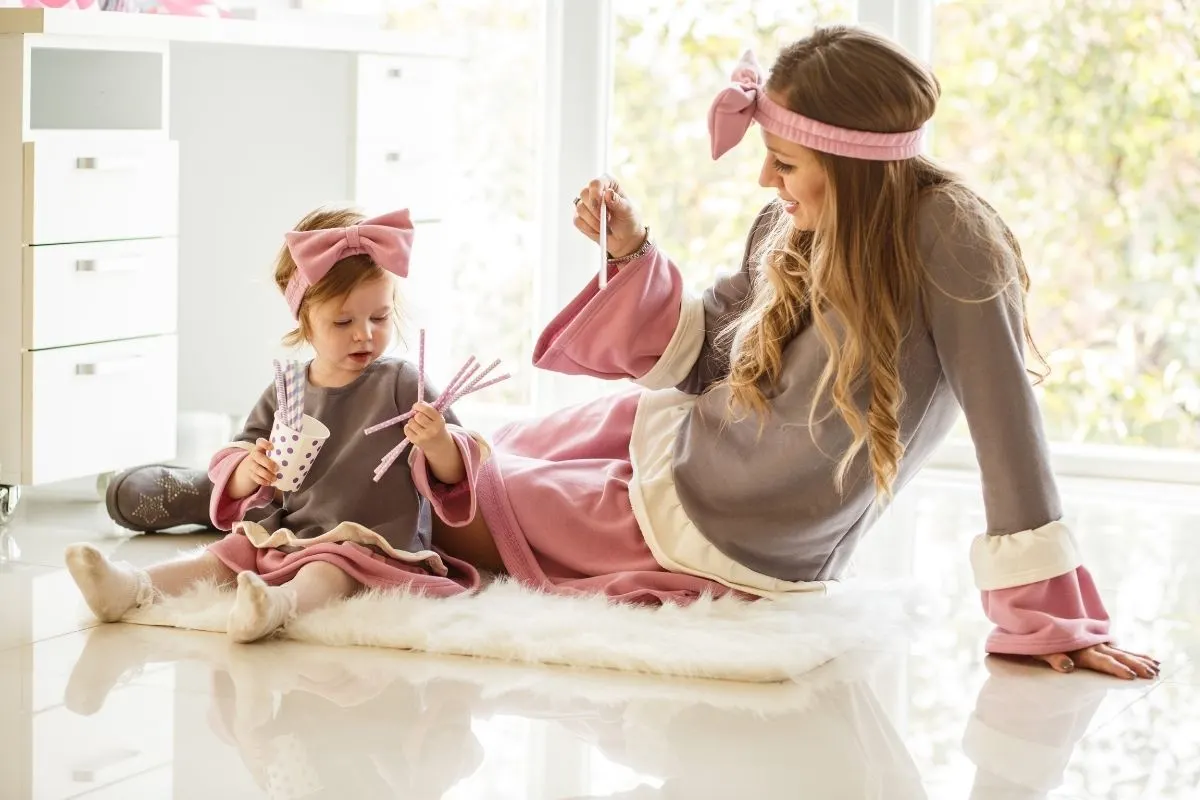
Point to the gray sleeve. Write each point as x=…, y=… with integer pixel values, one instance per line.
x=723, y=302
x=973, y=304
x=258, y=424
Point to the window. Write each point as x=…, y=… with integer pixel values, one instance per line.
x=473, y=271
x=1080, y=123
x=670, y=58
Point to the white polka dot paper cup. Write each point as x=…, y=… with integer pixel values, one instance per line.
x=295, y=451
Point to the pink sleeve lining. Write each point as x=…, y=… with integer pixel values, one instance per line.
x=1058, y=615
x=455, y=504
x=619, y=332
x=222, y=509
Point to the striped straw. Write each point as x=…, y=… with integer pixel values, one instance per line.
x=421, y=368
x=480, y=387
x=408, y=415
x=468, y=380
x=468, y=386
x=300, y=383
x=289, y=378
x=280, y=390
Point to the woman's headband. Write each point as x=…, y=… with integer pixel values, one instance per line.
x=745, y=101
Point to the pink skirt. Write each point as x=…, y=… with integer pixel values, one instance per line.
x=555, y=495
x=370, y=568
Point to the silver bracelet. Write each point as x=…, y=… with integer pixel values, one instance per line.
x=635, y=255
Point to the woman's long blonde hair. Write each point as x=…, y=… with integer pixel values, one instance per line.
x=858, y=278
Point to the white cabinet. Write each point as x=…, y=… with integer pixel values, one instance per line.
x=89, y=216
x=149, y=167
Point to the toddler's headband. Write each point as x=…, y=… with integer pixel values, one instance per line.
x=386, y=239
x=746, y=101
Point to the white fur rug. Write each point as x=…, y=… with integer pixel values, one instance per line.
x=725, y=638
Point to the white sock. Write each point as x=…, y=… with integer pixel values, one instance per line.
x=111, y=589
x=259, y=610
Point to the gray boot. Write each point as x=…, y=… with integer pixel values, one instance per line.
x=155, y=497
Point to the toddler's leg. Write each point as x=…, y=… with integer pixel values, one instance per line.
x=111, y=589
x=260, y=610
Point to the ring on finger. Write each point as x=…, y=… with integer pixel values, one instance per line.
x=577, y=200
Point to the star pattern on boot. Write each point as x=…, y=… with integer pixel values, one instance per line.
x=150, y=509
x=174, y=486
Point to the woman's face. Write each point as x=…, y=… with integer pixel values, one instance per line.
x=795, y=174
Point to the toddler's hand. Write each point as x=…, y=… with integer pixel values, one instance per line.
x=257, y=467
x=426, y=427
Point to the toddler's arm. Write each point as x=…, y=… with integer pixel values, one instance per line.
x=232, y=469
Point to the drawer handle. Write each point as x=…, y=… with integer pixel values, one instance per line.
x=128, y=264
x=96, y=164
x=393, y=157
x=395, y=73
x=114, y=366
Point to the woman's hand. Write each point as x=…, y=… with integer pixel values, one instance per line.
x=626, y=233
x=1107, y=659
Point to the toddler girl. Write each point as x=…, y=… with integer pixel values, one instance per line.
x=340, y=530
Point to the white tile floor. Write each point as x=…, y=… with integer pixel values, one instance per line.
x=125, y=712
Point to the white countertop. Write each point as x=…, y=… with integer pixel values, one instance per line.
x=165, y=27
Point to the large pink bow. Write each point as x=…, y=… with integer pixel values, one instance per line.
x=386, y=239
x=732, y=112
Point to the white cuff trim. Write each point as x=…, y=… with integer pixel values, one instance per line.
x=1017, y=559
x=682, y=351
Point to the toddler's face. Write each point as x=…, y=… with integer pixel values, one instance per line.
x=349, y=333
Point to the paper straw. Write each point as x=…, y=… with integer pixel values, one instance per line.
x=458, y=376
x=294, y=395
x=390, y=459
x=388, y=423
x=468, y=386
x=603, y=243
x=421, y=368
x=480, y=387
x=280, y=392
x=468, y=380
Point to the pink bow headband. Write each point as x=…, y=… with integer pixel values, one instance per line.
x=386, y=239
x=746, y=101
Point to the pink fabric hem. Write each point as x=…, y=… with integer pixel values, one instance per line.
x=371, y=569
x=455, y=505
x=222, y=509
x=651, y=586
x=640, y=309
x=1058, y=615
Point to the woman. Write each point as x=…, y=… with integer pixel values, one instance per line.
x=781, y=411
x=878, y=295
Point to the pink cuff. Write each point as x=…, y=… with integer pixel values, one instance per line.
x=455, y=504
x=619, y=332
x=1058, y=615
x=223, y=509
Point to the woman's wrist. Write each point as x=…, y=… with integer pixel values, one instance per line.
x=637, y=252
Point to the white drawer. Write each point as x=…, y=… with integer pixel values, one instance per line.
x=99, y=291
x=389, y=176
x=407, y=85
x=79, y=190
x=404, y=136
x=97, y=408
